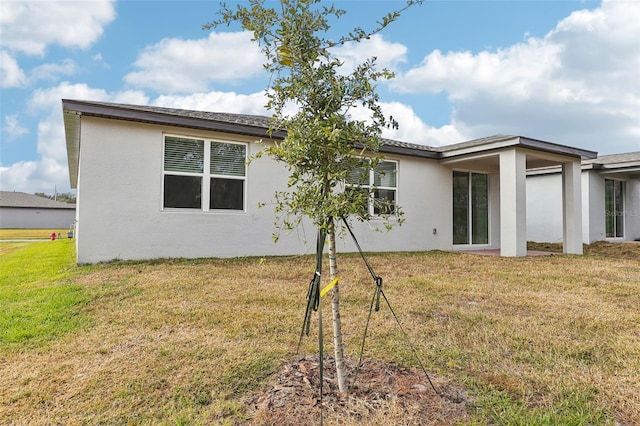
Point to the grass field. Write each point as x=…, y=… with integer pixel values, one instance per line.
x=30, y=234
x=549, y=340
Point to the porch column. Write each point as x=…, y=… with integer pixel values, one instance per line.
x=572, y=207
x=513, y=203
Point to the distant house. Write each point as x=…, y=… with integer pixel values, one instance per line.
x=21, y=210
x=610, y=200
x=159, y=182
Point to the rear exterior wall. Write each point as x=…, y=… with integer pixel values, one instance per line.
x=120, y=213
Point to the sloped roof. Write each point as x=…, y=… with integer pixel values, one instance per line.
x=613, y=159
x=256, y=125
x=627, y=163
x=22, y=199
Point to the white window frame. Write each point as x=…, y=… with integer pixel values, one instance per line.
x=371, y=188
x=205, y=176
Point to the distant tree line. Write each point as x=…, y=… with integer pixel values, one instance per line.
x=65, y=197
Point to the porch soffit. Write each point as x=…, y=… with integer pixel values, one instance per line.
x=72, y=136
x=491, y=160
x=501, y=142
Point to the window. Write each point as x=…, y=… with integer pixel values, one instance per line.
x=203, y=174
x=470, y=208
x=614, y=208
x=381, y=183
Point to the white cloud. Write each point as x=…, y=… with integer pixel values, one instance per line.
x=30, y=26
x=511, y=72
x=53, y=71
x=51, y=169
x=181, y=66
x=578, y=85
x=17, y=177
x=12, y=128
x=11, y=75
x=216, y=102
x=412, y=129
x=387, y=54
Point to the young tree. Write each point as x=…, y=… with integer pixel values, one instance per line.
x=325, y=150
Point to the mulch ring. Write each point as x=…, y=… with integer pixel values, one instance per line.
x=384, y=393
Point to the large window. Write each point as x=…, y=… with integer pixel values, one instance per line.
x=381, y=183
x=470, y=208
x=203, y=174
x=614, y=208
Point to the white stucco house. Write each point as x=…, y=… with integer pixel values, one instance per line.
x=610, y=200
x=19, y=210
x=158, y=182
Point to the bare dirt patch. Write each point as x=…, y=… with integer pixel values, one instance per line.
x=384, y=393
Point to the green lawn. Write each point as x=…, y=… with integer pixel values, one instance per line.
x=38, y=300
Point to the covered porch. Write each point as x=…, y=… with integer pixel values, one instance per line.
x=495, y=219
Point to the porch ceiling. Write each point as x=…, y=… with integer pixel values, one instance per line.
x=491, y=161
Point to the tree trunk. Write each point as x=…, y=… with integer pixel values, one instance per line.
x=335, y=309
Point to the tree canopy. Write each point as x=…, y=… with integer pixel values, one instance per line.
x=312, y=97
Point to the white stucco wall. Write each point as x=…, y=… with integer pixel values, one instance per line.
x=120, y=204
x=544, y=207
x=632, y=210
x=594, y=225
x=35, y=218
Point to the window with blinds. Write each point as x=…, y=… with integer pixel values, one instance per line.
x=381, y=183
x=203, y=174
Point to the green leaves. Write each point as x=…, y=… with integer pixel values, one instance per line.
x=324, y=144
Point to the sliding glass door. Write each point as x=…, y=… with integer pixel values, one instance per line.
x=614, y=208
x=470, y=208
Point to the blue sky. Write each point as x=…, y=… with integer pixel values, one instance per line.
x=562, y=71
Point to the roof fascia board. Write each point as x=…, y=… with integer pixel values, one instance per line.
x=521, y=142
x=614, y=170
x=110, y=112
x=411, y=152
x=479, y=148
x=621, y=165
x=469, y=157
x=151, y=117
x=557, y=148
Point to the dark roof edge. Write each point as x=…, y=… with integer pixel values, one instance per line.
x=163, y=116
x=497, y=142
x=557, y=148
x=412, y=152
x=121, y=112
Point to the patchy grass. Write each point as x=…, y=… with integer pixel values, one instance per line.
x=627, y=250
x=542, y=340
x=30, y=234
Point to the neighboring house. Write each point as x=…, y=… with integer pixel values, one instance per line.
x=610, y=200
x=158, y=182
x=21, y=210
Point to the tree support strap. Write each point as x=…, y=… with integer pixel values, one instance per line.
x=375, y=301
x=313, y=304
